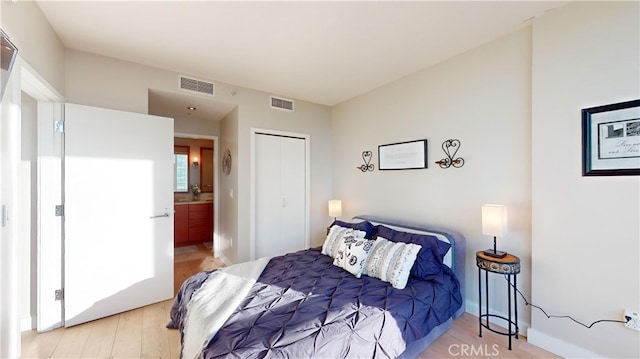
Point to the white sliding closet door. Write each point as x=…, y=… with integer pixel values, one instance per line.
x=280, y=194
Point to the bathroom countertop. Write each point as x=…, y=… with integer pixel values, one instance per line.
x=193, y=202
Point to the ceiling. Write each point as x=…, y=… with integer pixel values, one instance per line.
x=324, y=52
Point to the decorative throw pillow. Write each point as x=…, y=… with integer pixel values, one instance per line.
x=330, y=246
x=428, y=265
x=364, y=226
x=391, y=261
x=352, y=253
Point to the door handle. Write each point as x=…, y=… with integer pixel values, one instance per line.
x=165, y=214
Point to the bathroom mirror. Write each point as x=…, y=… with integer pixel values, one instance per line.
x=206, y=169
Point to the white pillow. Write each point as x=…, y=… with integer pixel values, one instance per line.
x=352, y=253
x=391, y=261
x=330, y=246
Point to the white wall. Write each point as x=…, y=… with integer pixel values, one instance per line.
x=228, y=216
x=196, y=125
x=586, y=231
x=482, y=98
x=106, y=82
x=37, y=43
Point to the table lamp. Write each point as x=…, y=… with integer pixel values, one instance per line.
x=494, y=223
x=335, y=208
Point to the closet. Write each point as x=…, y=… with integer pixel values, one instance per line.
x=280, y=194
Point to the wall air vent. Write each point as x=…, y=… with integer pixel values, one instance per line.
x=281, y=104
x=199, y=86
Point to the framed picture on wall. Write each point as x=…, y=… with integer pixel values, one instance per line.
x=611, y=139
x=403, y=155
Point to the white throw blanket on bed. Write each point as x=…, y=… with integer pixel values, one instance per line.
x=215, y=301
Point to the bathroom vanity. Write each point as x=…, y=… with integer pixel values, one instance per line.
x=193, y=222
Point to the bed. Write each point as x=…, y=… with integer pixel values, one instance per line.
x=334, y=301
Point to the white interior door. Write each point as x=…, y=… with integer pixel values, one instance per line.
x=292, y=189
x=280, y=194
x=118, y=246
x=268, y=197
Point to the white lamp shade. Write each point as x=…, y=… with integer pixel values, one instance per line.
x=335, y=208
x=494, y=220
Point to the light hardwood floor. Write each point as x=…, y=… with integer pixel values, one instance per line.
x=141, y=333
x=188, y=264
x=462, y=341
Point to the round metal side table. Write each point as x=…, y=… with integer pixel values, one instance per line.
x=509, y=266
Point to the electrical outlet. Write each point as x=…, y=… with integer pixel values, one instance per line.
x=634, y=322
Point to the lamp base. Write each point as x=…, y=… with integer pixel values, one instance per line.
x=494, y=254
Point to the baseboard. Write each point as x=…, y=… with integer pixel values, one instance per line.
x=27, y=324
x=472, y=308
x=225, y=260
x=558, y=346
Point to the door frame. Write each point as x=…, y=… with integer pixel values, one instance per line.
x=252, y=184
x=216, y=174
x=23, y=79
x=10, y=130
x=48, y=265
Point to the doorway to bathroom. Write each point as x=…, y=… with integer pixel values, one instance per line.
x=195, y=202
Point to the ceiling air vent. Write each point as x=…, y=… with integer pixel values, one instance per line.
x=199, y=86
x=281, y=104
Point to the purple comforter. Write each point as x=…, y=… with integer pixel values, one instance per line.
x=303, y=306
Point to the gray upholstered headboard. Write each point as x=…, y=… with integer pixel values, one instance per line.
x=456, y=239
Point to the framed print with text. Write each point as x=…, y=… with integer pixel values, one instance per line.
x=611, y=139
x=403, y=155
